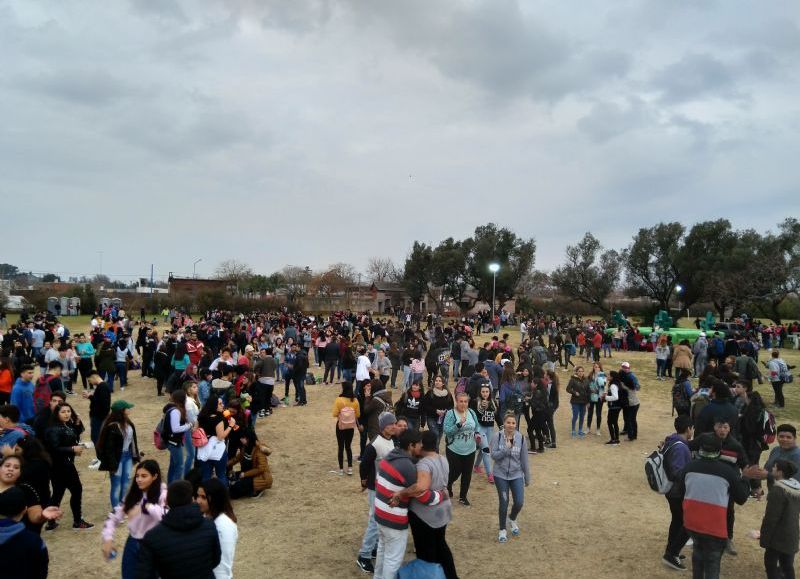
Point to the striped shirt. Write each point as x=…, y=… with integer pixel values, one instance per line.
x=708, y=487
x=395, y=473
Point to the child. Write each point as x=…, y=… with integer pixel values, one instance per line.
x=780, y=534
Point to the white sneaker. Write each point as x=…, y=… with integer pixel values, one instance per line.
x=502, y=537
x=514, y=527
x=95, y=464
x=690, y=542
x=341, y=472
x=597, y=432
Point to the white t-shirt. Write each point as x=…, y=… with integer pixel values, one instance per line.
x=362, y=369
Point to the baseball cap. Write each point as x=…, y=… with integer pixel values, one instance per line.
x=625, y=365
x=121, y=405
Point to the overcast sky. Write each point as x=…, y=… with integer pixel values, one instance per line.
x=308, y=132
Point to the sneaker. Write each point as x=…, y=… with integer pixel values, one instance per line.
x=597, y=432
x=464, y=502
x=552, y=445
x=341, y=472
x=365, y=565
x=673, y=563
x=514, y=527
x=349, y=471
x=574, y=434
x=259, y=495
x=477, y=469
x=613, y=442
x=581, y=434
x=730, y=549
x=82, y=525
x=502, y=537
x=51, y=526
x=122, y=388
x=490, y=478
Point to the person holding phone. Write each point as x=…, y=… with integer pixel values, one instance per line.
x=511, y=474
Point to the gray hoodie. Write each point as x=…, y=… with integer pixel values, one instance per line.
x=510, y=463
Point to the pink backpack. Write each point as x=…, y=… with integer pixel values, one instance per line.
x=347, y=418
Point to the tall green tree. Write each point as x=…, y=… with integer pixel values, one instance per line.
x=514, y=255
x=418, y=272
x=704, y=259
x=590, y=272
x=652, y=262
x=450, y=271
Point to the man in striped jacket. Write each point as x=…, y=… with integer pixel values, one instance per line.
x=395, y=473
x=707, y=485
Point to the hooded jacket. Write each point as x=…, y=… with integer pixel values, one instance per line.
x=779, y=529
x=23, y=553
x=184, y=544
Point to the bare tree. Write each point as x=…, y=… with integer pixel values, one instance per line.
x=382, y=269
x=295, y=281
x=234, y=272
x=334, y=280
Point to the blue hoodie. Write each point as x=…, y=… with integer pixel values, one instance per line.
x=10, y=436
x=23, y=552
x=22, y=398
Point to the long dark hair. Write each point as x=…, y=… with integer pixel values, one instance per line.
x=178, y=398
x=33, y=449
x=347, y=390
x=219, y=501
x=210, y=407
x=180, y=350
x=116, y=417
x=135, y=494
x=56, y=421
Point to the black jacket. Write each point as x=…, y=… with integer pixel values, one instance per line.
x=60, y=440
x=100, y=402
x=184, y=544
x=109, y=447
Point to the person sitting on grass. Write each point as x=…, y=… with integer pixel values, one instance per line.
x=253, y=476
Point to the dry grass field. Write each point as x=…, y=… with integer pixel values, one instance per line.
x=588, y=514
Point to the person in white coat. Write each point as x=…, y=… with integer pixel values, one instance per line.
x=215, y=503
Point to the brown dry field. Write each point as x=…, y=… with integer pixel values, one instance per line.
x=588, y=513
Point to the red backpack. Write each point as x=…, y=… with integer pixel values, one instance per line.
x=42, y=393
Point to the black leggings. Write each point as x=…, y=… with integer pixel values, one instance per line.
x=431, y=545
x=84, y=367
x=613, y=423
x=592, y=407
x=460, y=466
x=66, y=477
x=631, y=424
x=344, y=439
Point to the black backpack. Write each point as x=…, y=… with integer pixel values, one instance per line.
x=680, y=401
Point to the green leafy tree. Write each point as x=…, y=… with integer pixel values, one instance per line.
x=652, y=262
x=590, y=273
x=418, y=272
x=705, y=260
x=8, y=271
x=450, y=271
x=515, y=256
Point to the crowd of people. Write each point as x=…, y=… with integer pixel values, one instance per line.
x=406, y=383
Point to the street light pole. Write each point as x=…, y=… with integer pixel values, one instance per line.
x=494, y=268
x=194, y=267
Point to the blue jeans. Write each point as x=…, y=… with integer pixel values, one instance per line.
x=108, y=377
x=130, y=558
x=517, y=487
x=122, y=372
x=370, y=541
x=406, y=377
x=348, y=374
x=486, y=432
x=218, y=467
x=190, y=453
x=300, y=388
x=456, y=369
x=176, y=460
x=661, y=366
x=706, y=556
x=119, y=479
x=578, y=412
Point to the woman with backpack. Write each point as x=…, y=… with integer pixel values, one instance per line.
x=460, y=428
x=143, y=507
x=346, y=411
x=118, y=449
x=176, y=426
x=597, y=389
x=511, y=472
x=510, y=391
x=435, y=404
x=488, y=415
x=62, y=439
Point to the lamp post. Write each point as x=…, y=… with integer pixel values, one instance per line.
x=494, y=268
x=679, y=291
x=194, y=267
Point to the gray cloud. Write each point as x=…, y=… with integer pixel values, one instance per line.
x=287, y=131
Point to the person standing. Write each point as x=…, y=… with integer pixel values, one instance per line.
x=215, y=504
x=99, y=404
x=778, y=369
x=117, y=449
x=780, y=534
x=578, y=388
x=511, y=474
x=706, y=487
x=676, y=456
x=22, y=393
x=395, y=473
x=183, y=544
x=346, y=411
x=460, y=427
